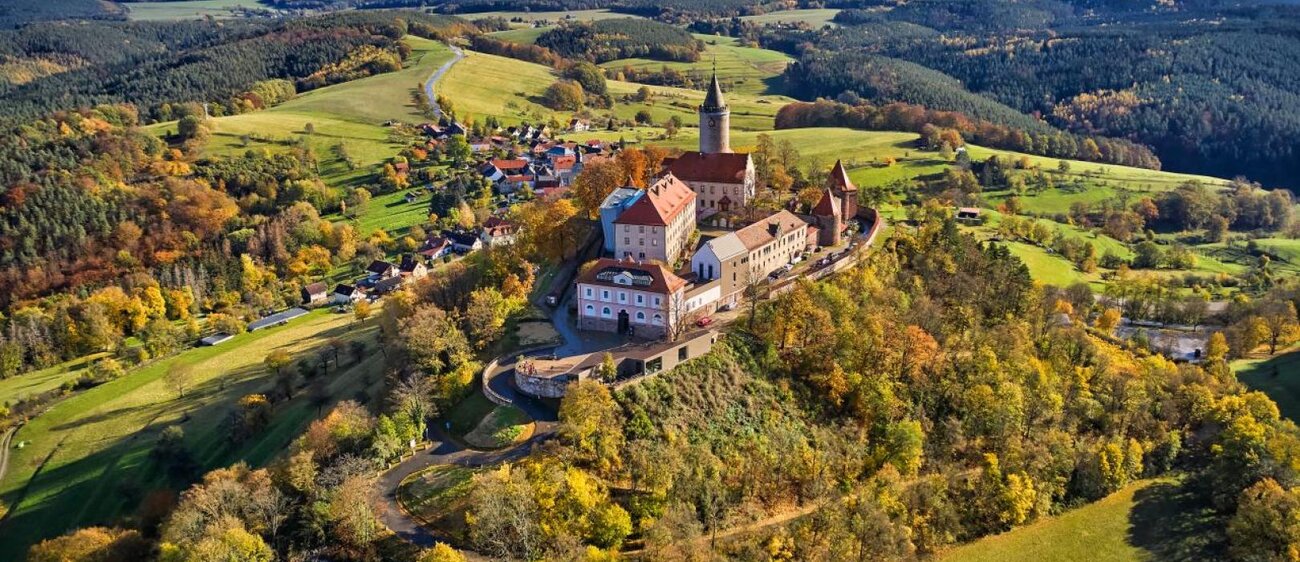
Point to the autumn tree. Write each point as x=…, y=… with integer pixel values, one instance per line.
x=591, y=422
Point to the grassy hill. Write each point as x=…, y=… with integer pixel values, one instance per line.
x=1277, y=376
x=1149, y=520
x=351, y=113
x=511, y=90
x=815, y=17
x=87, y=458
x=745, y=70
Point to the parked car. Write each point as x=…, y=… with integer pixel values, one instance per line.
x=704, y=322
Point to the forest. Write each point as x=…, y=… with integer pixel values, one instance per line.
x=1213, y=97
x=612, y=39
x=155, y=64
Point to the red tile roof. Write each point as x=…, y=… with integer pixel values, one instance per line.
x=761, y=233
x=828, y=206
x=666, y=198
x=839, y=178
x=662, y=280
x=715, y=168
x=564, y=162
x=505, y=165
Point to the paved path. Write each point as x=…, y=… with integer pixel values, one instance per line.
x=447, y=451
x=436, y=76
x=6, y=445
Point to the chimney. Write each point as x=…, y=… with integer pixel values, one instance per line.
x=773, y=228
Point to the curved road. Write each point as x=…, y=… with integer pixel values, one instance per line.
x=436, y=76
x=447, y=451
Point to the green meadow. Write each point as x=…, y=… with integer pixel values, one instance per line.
x=1277, y=376
x=743, y=70
x=86, y=459
x=815, y=17
x=1148, y=521
x=188, y=9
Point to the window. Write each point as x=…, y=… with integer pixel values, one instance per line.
x=654, y=365
x=605, y=312
x=681, y=353
x=640, y=241
x=622, y=296
x=588, y=292
x=659, y=319
x=641, y=255
x=591, y=310
x=604, y=295
x=640, y=316
x=641, y=229
x=640, y=299
x=654, y=242
x=626, y=240
x=656, y=304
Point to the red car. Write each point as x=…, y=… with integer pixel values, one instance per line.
x=704, y=322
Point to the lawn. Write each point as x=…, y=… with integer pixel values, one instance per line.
x=1149, y=520
x=503, y=426
x=1277, y=376
x=511, y=90
x=437, y=497
x=745, y=70
x=88, y=462
x=188, y=9
x=523, y=35
x=555, y=16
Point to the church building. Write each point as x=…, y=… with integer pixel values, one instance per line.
x=722, y=180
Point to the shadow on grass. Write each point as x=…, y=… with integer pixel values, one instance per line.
x=1172, y=521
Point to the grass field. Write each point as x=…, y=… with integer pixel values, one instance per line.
x=745, y=70
x=511, y=90
x=87, y=460
x=1277, y=376
x=503, y=426
x=555, y=16
x=815, y=17
x=188, y=9
x=351, y=113
x=50, y=378
x=1150, y=520
x=437, y=497
x=522, y=35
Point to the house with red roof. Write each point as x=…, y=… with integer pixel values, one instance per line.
x=659, y=224
x=723, y=181
x=629, y=297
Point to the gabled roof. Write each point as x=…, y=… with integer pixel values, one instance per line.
x=317, y=288
x=765, y=231
x=726, y=246
x=409, y=263
x=839, y=179
x=727, y=167
x=497, y=226
x=344, y=289
x=511, y=164
x=379, y=267
x=666, y=198
x=645, y=276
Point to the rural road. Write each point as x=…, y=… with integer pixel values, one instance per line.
x=6, y=444
x=437, y=75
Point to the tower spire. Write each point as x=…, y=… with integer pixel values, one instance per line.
x=713, y=101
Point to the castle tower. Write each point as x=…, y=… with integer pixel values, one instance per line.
x=839, y=183
x=715, y=120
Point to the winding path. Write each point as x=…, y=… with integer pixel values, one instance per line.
x=437, y=75
x=500, y=388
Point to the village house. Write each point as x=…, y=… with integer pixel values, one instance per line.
x=497, y=232
x=388, y=285
x=746, y=256
x=629, y=297
x=412, y=268
x=435, y=248
x=346, y=294
x=315, y=294
x=578, y=125
x=658, y=224
x=380, y=270
x=463, y=242
x=613, y=206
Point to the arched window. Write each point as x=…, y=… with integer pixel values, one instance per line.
x=591, y=310
x=640, y=316
x=659, y=319
x=606, y=313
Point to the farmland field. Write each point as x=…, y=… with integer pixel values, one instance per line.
x=746, y=70
x=815, y=17
x=88, y=460
x=188, y=9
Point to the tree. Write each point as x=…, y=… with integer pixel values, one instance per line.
x=92, y=544
x=1279, y=316
x=564, y=95
x=1147, y=255
x=592, y=423
x=361, y=310
x=595, y=183
x=457, y=150
x=1266, y=526
x=277, y=360
x=441, y=553
x=178, y=377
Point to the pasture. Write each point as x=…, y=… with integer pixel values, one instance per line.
x=87, y=460
x=1277, y=376
x=743, y=70
x=814, y=17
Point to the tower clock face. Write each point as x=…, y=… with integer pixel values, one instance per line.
x=713, y=121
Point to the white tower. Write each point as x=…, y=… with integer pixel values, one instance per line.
x=715, y=120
